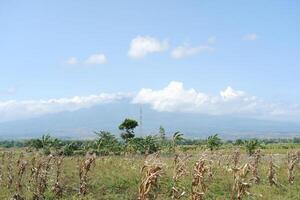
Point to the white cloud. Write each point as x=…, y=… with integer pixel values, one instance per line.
x=175, y=98
x=250, y=37
x=186, y=50
x=143, y=45
x=13, y=110
x=96, y=59
x=72, y=61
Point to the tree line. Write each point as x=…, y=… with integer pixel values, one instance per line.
x=107, y=143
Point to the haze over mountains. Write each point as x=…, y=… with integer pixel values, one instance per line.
x=83, y=122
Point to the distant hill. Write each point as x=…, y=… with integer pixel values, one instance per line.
x=82, y=123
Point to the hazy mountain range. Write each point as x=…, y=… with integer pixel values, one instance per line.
x=82, y=123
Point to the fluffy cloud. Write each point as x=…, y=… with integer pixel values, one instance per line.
x=186, y=50
x=250, y=37
x=141, y=46
x=96, y=59
x=12, y=110
x=175, y=98
x=72, y=61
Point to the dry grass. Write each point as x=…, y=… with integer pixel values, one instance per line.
x=34, y=177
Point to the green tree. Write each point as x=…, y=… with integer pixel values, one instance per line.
x=68, y=149
x=251, y=146
x=128, y=126
x=141, y=145
x=151, y=144
x=106, y=143
x=213, y=142
x=46, y=143
x=35, y=143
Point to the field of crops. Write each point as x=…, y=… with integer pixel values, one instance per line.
x=196, y=175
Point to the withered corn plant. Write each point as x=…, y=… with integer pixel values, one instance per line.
x=21, y=167
x=292, y=161
x=198, y=184
x=2, y=161
x=272, y=173
x=10, y=170
x=180, y=170
x=241, y=186
x=151, y=170
x=236, y=157
x=40, y=176
x=84, y=166
x=32, y=170
x=57, y=189
x=254, y=166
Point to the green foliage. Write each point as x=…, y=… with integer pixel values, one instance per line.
x=68, y=149
x=141, y=145
x=177, y=136
x=128, y=125
x=239, y=142
x=46, y=143
x=107, y=143
x=36, y=143
x=151, y=144
x=251, y=145
x=214, y=142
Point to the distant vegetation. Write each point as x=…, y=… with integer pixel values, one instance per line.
x=107, y=143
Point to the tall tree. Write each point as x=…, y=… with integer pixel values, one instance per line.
x=128, y=126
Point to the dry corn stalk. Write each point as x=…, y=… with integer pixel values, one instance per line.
x=254, y=167
x=57, y=189
x=84, y=168
x=292, y=161
x=21, y=170
x=272, y=173
x=2, y=167
x=10, y=175
x=40, y=176
x=198, y=184
x=236, y=157
x=152, y=170
x=21, y=167
x=241, y=186
x=179, y=170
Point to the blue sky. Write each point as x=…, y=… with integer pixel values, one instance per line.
x=251, y=46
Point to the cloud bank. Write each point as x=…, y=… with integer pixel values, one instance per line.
x=172, y=98
x=14, y=110
x=175, y=98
